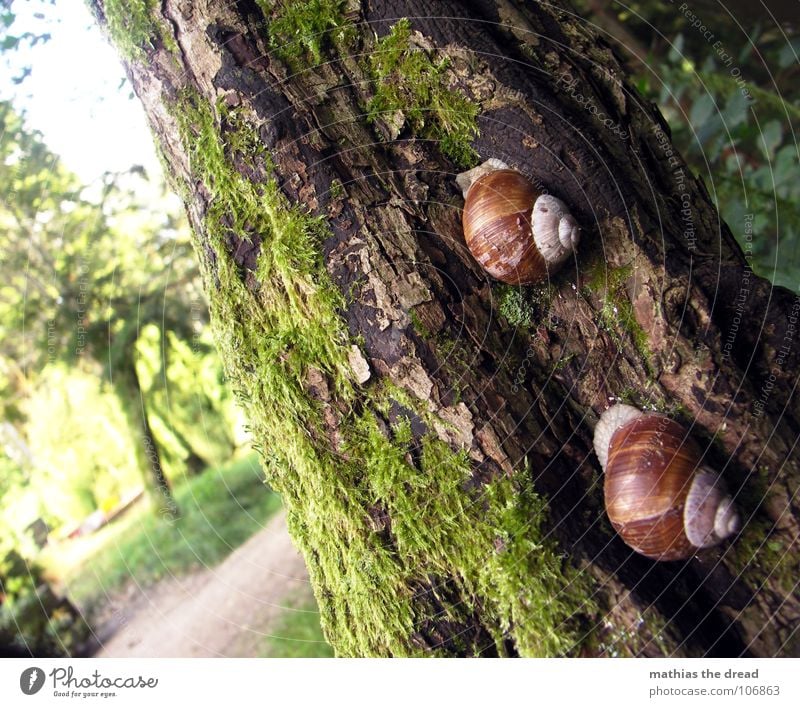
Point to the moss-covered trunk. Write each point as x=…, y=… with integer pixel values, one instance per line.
x=430, y=431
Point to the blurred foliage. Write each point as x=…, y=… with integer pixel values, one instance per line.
x=728, y=85
x=97, y=290
x=34, y=620
x=12, y=39
x=84, y=267
x=85, y=271
x=83, y=461
x=740, y=138
x=193, y=410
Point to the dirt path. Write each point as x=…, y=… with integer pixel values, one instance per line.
x=222, y=611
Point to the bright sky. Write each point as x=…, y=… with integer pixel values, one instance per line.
x=74, y=96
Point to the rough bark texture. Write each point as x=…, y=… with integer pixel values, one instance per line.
x=660, y=308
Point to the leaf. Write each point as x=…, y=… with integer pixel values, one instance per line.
x=786, y=168
x=676, y=50
x=771, y=137
x=737, y=110
x=788, y=55
x=701, y=110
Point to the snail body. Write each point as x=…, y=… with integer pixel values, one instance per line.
x=659, y=496
x=516, y=233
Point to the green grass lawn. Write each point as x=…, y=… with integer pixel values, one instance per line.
x=297, y=634
x=220, y=509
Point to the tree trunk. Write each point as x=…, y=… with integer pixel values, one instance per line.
x=434, y=458
x=148, y=456
x=195, y=464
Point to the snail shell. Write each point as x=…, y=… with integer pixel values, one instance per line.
x=516, y=233
x=660, y=498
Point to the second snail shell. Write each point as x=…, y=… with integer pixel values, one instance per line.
x=516, y=233
x=660, y=497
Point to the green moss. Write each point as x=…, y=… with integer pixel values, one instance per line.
x=758, y=551
x=456, y=361
x=759, y=548
x=564, y=361
x=135, y=27
x=454, y=358
x=337, y=189
x=616, y=311
x=521, y=307
x=671, y=408
x=406, y=79
x=488, y=544
x=515, y=308
x=402, y=432
x=419, y=326
x=649, y=628
x=269, y=340
x=301, y=29
x=630, y=396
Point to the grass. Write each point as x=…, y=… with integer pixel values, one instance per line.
x=297, y=634
x=220, y=509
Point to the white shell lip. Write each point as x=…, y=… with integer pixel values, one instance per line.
x=727, y=521
x=569, y=233
x=610, y=421
x=709, y=515
x=555, y=231
x=466, y=179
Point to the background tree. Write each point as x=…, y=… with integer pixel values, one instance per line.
x=435, y=459
x=101, y=314
x=74, y=289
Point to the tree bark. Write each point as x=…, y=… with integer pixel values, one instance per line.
x=129, y=392
x=660, y=309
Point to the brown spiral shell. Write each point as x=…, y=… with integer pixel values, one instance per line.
x=497, y=227
x=651, y=464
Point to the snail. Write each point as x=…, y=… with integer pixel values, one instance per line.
x=659, y=496
x=516, y=233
